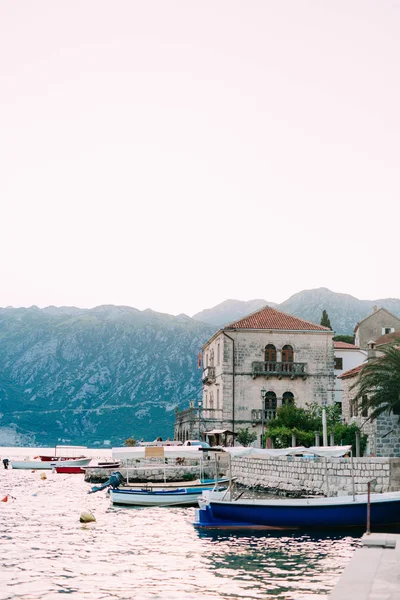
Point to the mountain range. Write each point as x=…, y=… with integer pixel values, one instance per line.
x=101, y=375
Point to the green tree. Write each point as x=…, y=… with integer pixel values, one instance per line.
x=325, y=322
x=246, y=437
x=349, y=339
x=130, y=442
x=304, y=422
x=378, y=386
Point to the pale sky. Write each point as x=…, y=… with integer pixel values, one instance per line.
x=171, y=154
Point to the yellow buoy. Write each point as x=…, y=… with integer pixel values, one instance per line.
x=87, y=517
x=43, y=476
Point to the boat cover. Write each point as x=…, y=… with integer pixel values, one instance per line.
x=327, y=451
x=136, y=452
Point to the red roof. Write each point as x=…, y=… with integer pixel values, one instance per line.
x=270, y=318
x=345, y=346
x=351, y=372
x=388, y=338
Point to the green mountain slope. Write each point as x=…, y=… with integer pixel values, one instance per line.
x=85, y=376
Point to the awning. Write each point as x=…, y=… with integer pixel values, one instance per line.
x=327, y=451
x=219, y=432
x=138, y=452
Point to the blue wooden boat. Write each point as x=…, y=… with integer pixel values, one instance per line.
x=220, y=510
x=298, y=514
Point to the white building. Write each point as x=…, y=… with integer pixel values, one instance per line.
x=347, y=357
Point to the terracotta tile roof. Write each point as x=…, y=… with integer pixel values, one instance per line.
x=270, y=318
x=345, y=346
x=388, y=338
x=351, y=372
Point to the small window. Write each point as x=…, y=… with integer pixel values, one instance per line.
x=354, y=408
x=218, y=398
x=388, y=330
x=364, y=406
x=218, y=354
x=338, y=363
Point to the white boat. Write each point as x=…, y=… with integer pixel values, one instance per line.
x=160, y=497
x=48, y=465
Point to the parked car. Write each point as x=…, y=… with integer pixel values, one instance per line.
x=197, y=443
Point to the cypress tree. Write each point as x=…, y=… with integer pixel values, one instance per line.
x=325, y=322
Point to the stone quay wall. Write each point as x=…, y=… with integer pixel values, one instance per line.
x=308, y=476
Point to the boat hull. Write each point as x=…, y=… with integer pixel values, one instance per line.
x=69, y=469
x=321, y=513
x=167, y=497
x=48, y=465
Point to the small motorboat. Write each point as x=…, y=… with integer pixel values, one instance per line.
x=161, y=497
x=104, y=465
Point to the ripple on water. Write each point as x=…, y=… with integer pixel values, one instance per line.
x=146, y=553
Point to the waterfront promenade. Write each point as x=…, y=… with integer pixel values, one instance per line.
x=374, y=571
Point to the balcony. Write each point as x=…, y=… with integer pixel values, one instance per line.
x=269, y=414
x=279, y=369
x=208, y=376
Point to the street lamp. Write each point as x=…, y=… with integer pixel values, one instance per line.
x=200, y=404
x=263, y=394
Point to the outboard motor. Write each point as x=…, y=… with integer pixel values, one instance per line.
x=114, y=482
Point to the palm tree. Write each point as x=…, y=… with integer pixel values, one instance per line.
x=378, y=386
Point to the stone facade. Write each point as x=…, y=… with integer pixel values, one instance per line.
x=187, y=423
x=295, y=475
x=232, y=388
x=379, y=323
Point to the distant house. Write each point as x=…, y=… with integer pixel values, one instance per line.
x=380, y=322
x=259, y=363
x=347, y=356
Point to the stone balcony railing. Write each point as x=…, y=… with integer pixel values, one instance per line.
x=269, y=413
x=279, y=369
x=208, y=376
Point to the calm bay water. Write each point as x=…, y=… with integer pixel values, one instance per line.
x=145, y=553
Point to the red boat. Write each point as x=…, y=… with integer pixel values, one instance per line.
x=69, y=469
x=63, y=453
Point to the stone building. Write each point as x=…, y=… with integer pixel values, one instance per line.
x=255, y=365
x=380, y=322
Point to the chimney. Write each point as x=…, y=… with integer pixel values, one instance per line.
x=375, y=308
x=371, y=352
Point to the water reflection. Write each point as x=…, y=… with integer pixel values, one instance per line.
x=149, y=552
x=280, y=563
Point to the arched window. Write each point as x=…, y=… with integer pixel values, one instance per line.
x=270, y=353
x=287, y=358
x=270, y=357
x=287, y=398
x=270, y=400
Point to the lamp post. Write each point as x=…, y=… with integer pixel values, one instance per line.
x=263, y=394
x=200, y=404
